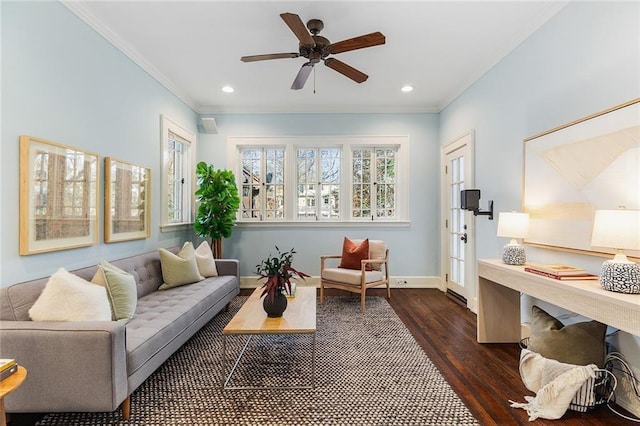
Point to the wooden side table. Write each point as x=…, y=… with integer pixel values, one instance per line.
x=7, y=386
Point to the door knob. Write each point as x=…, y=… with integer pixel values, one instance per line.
x=464, y=238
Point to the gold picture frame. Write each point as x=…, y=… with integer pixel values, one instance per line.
x=58, y=196
x=575, y=169
x=127, y=201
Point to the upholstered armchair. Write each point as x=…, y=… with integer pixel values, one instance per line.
x=373, y=270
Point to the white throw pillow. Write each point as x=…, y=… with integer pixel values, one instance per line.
x=206, y=262
x=67, y=297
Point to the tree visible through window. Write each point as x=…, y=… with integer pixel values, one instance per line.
x=374, y=183
x=175, y=177
x=329, y=178
x=262, y=184
x=318, y=183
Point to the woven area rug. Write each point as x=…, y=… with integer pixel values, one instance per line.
x=369, y=371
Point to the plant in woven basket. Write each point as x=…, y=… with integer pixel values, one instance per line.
x=278, y=272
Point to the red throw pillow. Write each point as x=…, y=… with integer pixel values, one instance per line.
x=353, y=254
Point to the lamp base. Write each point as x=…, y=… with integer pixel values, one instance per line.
x=513, y=254
x=621, y=277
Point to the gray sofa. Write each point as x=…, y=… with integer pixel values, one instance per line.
x=95, y=366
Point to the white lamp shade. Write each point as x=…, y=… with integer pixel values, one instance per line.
x=618, y=229
x=513, y=225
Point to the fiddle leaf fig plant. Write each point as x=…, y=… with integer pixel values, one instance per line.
x=219, y=201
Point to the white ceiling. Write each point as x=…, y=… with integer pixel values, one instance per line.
x=194, y=48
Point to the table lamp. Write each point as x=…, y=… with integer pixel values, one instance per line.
x=513, y=225
x=618, y=229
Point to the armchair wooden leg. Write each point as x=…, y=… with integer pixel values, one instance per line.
x=388, y=290
x=321, y=292
x=362, y=299
x=126, y=408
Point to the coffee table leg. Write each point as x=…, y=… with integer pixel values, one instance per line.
x=224, y=359
x=235, y=365
x=313, y=362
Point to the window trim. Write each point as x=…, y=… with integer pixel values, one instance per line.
x=346, y=143
x=168, y=125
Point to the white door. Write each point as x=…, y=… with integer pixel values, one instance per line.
x=458, y=254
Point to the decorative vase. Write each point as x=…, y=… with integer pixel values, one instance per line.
x=275, y=308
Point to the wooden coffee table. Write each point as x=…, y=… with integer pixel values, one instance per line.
x=252, y=320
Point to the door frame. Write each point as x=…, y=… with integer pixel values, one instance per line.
x=470, y=284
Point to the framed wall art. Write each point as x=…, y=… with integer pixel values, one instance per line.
x=58, y=196
x=127, y=214
x=575, y=169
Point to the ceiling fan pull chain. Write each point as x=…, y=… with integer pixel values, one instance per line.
x=314, y=80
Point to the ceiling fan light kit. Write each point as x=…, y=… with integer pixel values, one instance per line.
x=316, y=48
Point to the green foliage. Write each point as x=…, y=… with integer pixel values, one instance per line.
x=277, y=270
x=219, y=202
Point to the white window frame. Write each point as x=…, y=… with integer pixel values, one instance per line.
x=188, y=164
x=346, y=144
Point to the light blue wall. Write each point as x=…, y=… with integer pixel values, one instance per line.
x=584, y=60
x=63, y=82
x=414, y=249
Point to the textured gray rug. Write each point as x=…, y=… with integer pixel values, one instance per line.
x=369, y=371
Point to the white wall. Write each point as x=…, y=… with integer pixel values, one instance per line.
x=63, y=82
x=414, y=249
x=584, y=60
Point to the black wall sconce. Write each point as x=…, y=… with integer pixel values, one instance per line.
x=470, y=200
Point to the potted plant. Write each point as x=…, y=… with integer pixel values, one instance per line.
x=219, y=202
x=277, y=271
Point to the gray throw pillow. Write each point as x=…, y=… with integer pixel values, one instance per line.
x=579, y=344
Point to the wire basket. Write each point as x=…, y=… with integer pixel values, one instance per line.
x=594, y=392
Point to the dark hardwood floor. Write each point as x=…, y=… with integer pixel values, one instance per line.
x=485, y=376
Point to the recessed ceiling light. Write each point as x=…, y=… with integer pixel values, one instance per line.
x=407, y=88
x=227, y=89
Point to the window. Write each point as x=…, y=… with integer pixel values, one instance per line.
x=374, y=183
x=321, y=179
x=318, y=183
x=262, y=183
x=178, y=148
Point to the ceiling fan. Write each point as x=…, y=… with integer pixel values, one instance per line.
x=317, y=48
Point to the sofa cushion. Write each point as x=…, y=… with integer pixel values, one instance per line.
x=67, y=297
x=582, y=343
x=179, y=269
x=353, y=254
x=163, y=315
x=121, y=289
x=350, y=276
x=205, y=261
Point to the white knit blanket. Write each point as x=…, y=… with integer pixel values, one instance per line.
x=554, y=383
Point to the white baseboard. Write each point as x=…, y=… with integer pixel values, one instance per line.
x=396, y=282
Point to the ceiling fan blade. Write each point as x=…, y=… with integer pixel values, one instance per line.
x=299, y=29
x=367, y=40
x=302, y=76
x=253, y=58
x=346, y=70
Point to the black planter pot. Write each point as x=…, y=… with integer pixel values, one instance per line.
x=275, y=308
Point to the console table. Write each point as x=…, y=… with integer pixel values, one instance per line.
x=500, y=287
